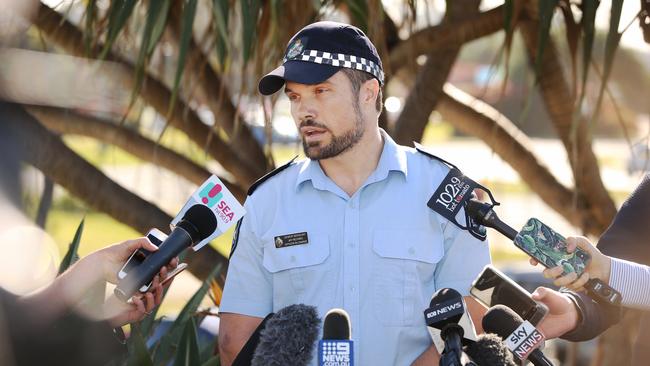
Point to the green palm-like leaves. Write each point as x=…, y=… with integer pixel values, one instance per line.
x=71, y=255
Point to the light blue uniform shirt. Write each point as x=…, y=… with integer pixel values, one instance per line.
x=379, y=254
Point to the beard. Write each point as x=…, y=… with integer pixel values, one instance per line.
x=339, y=143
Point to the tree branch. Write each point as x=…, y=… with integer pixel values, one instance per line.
x=51, y=156
x=155, y=93
x=560, y=103
x=218, y=98
x=68, y=122
x=405, y=53
x=423, y=97
x=476, y=118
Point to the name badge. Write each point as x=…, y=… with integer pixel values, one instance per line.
x=289, y=240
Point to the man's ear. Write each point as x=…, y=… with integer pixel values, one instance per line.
x=369, y=91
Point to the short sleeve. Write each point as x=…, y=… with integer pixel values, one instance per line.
x=464, y=258
x=248, y=288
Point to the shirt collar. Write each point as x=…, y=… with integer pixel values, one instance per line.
x=393, y=158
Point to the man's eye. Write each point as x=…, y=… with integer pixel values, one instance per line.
x=320, y=90
x=293, y=97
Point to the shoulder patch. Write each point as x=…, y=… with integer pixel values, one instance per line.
x=268, y=175
x=421, y=149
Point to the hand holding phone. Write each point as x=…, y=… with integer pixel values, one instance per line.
x=156, y=237
x=550, y=248
x=492, y=287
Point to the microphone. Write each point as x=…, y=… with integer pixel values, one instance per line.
x=198, y=223
x=521, y=337
x=489, y=350
x=288, y=337
x=444, y=313
x=245, y=355
x=484, y=215
x=336, y=348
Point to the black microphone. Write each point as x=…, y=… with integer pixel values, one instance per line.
x=198, y=223
x=483, y=214
x=288, y=337
x=336, y=347
x=445, y=311
x=489, y=350
x=521, y=337
x=245, y=355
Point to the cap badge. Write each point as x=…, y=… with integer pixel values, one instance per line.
x=295, y=49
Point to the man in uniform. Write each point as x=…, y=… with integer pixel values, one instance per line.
x=349, y=227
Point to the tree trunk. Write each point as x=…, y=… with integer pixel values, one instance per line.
x=476, y=118
x=68, y=122
x=423, y=97
x=560, y=104
x=50, y=155
x=155, y=93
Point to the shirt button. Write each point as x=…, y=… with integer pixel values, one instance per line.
x=353, y=204
x=411, y=250
x=351, y=288
x=293, y=258
x=351, y=244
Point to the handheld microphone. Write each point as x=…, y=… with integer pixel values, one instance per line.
x=198, y=223
x=245, y=355
x=288, y=337
x=445, y=311
x=489, y=350
x=521, y=337
x=336, y=347
x=483, y=214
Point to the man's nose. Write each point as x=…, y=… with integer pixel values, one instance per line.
x=306, y=109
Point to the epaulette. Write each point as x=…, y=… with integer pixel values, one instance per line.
x=268, y=175
x=421, y=149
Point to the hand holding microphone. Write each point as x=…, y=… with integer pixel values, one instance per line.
x=198, y=223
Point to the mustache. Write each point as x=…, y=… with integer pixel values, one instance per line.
x=311, y=123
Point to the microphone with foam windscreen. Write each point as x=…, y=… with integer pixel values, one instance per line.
x=521, y=337
x=288, y=337
x=198, y=223
x=245, y=355
x=336, y=348
x=489, y=350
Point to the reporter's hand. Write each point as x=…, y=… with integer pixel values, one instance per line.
x=599, y=266
x=112, y=258
x=562, y=314
x=120, y=313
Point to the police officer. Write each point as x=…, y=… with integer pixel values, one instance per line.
x=348, y=227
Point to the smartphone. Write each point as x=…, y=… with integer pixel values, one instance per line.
x=156, y=237
x=549, y=248
x=493, y=287
x=180, y=268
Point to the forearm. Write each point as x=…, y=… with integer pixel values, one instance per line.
x=66, y=290
x=633, y=282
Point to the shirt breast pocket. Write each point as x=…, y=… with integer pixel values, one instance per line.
x=403, y=274
x=300, y=272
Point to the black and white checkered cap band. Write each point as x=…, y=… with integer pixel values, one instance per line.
x=340, y=60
